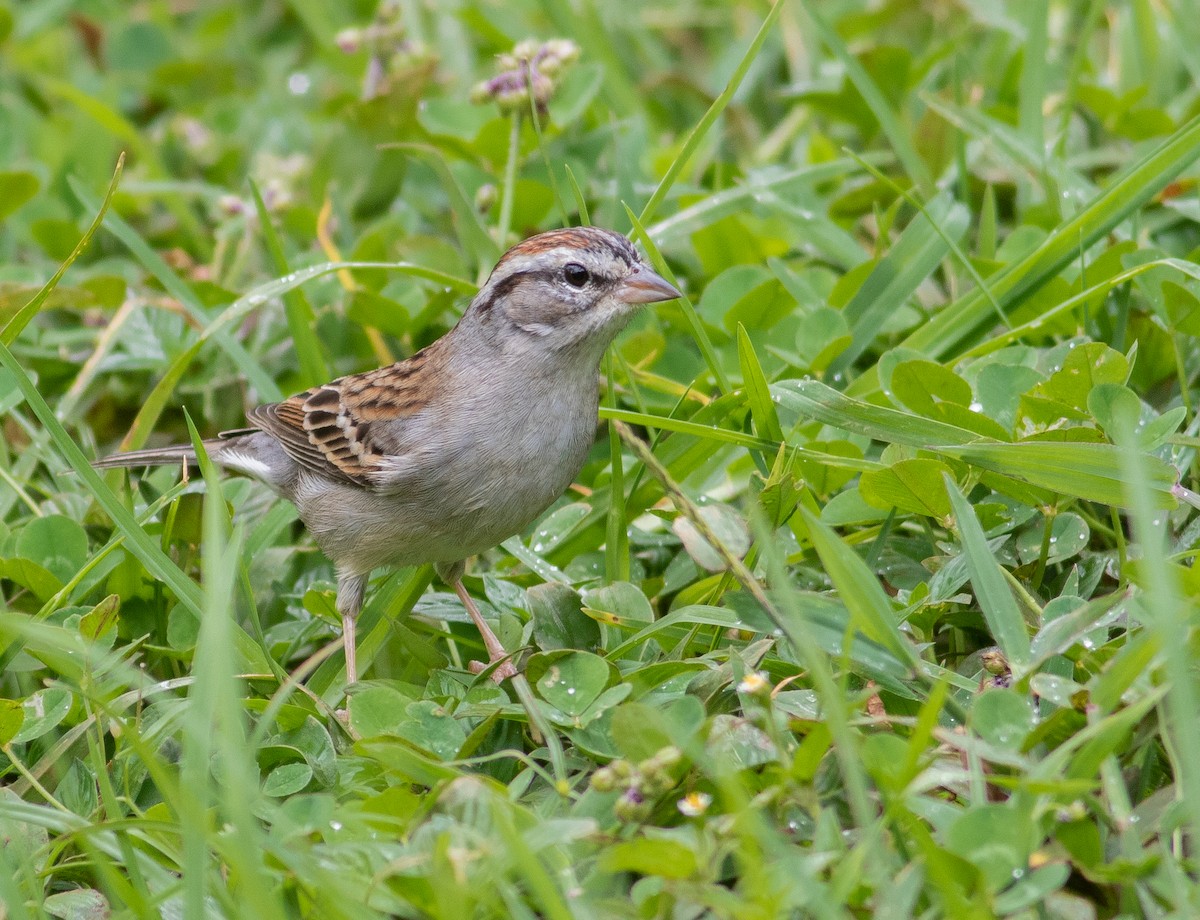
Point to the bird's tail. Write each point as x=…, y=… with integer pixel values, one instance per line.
x=156, y=456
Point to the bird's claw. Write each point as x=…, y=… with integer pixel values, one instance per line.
x=504, y=670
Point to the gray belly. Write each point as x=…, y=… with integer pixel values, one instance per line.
x=457, y=497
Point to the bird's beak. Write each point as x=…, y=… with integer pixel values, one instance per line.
x=646, y=286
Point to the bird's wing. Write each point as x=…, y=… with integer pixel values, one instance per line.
x=344, y=429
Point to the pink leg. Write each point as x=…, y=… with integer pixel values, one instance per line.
x=496, y=651
x=349, y=602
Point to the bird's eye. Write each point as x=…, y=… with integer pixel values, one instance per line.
x=576, y=274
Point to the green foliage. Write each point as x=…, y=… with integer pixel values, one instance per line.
x=889, y=612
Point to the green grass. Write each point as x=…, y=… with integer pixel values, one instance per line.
x=875, y=600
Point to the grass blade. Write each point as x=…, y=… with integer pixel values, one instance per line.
x=300, y=317
x=758, y=392
x=698, y=133
x=914, y=257
x=999, y=607
x=859, y=589
x=14, y=326
x=962, y=321
x=898, y=136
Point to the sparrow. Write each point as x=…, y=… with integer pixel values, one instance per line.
x=451, y=451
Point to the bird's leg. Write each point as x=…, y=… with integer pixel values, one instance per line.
x=350, y=591
x=452, y=575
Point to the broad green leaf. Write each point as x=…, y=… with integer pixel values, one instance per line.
x=923, y=386
x=558, y=619
x=824, y=335
x=78, y=904
x=651, y=857
x=570, y=681
x=432, y=728
x=377, y=709
x=996, y=838
x=44, y=710
x=42, y=583
x=101, y=619
x=1033, y=889
x=913, y=486
x=641, y=730
x=734, y=745
x=1115, y=407
x=1157, y=431
x=1000, y=388
x=781, y=491
x=1065, y=393
x=1069, y=535
x=1003, y=718
x=77, y=789
x=56, y=543
x=12, y=716
x=23, y=830
x=619, y=603
x=287, y=779
x=884, y=756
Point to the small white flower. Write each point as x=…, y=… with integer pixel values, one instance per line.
x=754, y=682
x=695, y=803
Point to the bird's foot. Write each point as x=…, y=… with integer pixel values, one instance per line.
x=496, y=651
x=504, y=670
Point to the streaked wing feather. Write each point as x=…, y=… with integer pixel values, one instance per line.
x=285, y=422
x=328, y=429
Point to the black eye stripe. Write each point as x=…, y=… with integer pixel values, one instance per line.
x=505, y=286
